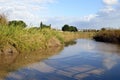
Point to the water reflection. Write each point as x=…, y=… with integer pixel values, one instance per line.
x=10, y=63
x=86, y=60
x=70, y=43
x=110, y=62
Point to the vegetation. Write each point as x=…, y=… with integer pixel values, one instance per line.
x=69, y=28
x=112, y=36
x=90, y=30
x=31, y=39
x=3, y=20
x=17, y=23
x=42, y=26
x=14, y=37
x=103, y=29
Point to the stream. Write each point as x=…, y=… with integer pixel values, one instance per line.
x=84, y=59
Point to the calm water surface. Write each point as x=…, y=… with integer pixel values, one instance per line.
x=85, y=60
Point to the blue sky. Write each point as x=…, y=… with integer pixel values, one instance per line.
x=74, y=7
x=79, y=13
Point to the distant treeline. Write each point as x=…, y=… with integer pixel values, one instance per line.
x=19, y=23
x=90, y=30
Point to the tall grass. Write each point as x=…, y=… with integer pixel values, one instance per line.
x=3, y=20
x=26, y=39
x=30, y=39
x=69, y=36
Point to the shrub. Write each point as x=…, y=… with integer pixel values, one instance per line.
x=15, y=23
x=69, y=28
x=112, y=36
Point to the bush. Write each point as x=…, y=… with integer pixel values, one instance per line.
x=69, y=28
x=17, y=23
x=112, y=36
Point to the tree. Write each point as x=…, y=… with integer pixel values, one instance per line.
x=65, y=27
x=45, y=26
x=75, y=29
x=103, y=29
x=69, y=28
x=17, y=23
x=41, y=24
x=72, y=29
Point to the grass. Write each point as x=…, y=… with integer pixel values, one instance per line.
x=69, y=36
x=30, y=39
x=3, y=19
x=25, y=39
x=111, y=36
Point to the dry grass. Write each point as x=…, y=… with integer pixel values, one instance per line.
x=112, y=36
x=69, y=36
x=3, y=20
x=32, y=39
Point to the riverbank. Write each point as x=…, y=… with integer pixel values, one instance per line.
x=111, y=36
x=14, y=40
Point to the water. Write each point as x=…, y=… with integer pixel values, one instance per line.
x=85, y=60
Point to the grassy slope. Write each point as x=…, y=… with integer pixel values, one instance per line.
x=32, y=39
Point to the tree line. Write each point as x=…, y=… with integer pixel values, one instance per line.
x=19, y=23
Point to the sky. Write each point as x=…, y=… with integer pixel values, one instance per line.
x=90, y=14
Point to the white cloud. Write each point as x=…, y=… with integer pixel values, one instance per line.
x=109, y=62
x=107, y=9
x=89, y=17
x=34, y=11
x=108, y=16
x=110, y=2
x=58, y=22
x=27, y=10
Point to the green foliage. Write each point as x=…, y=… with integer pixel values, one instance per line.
x=103, y=29
x=42, y=26
x=17, y=23
x=65, y=28
x=69, y=28
x=72, y=29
